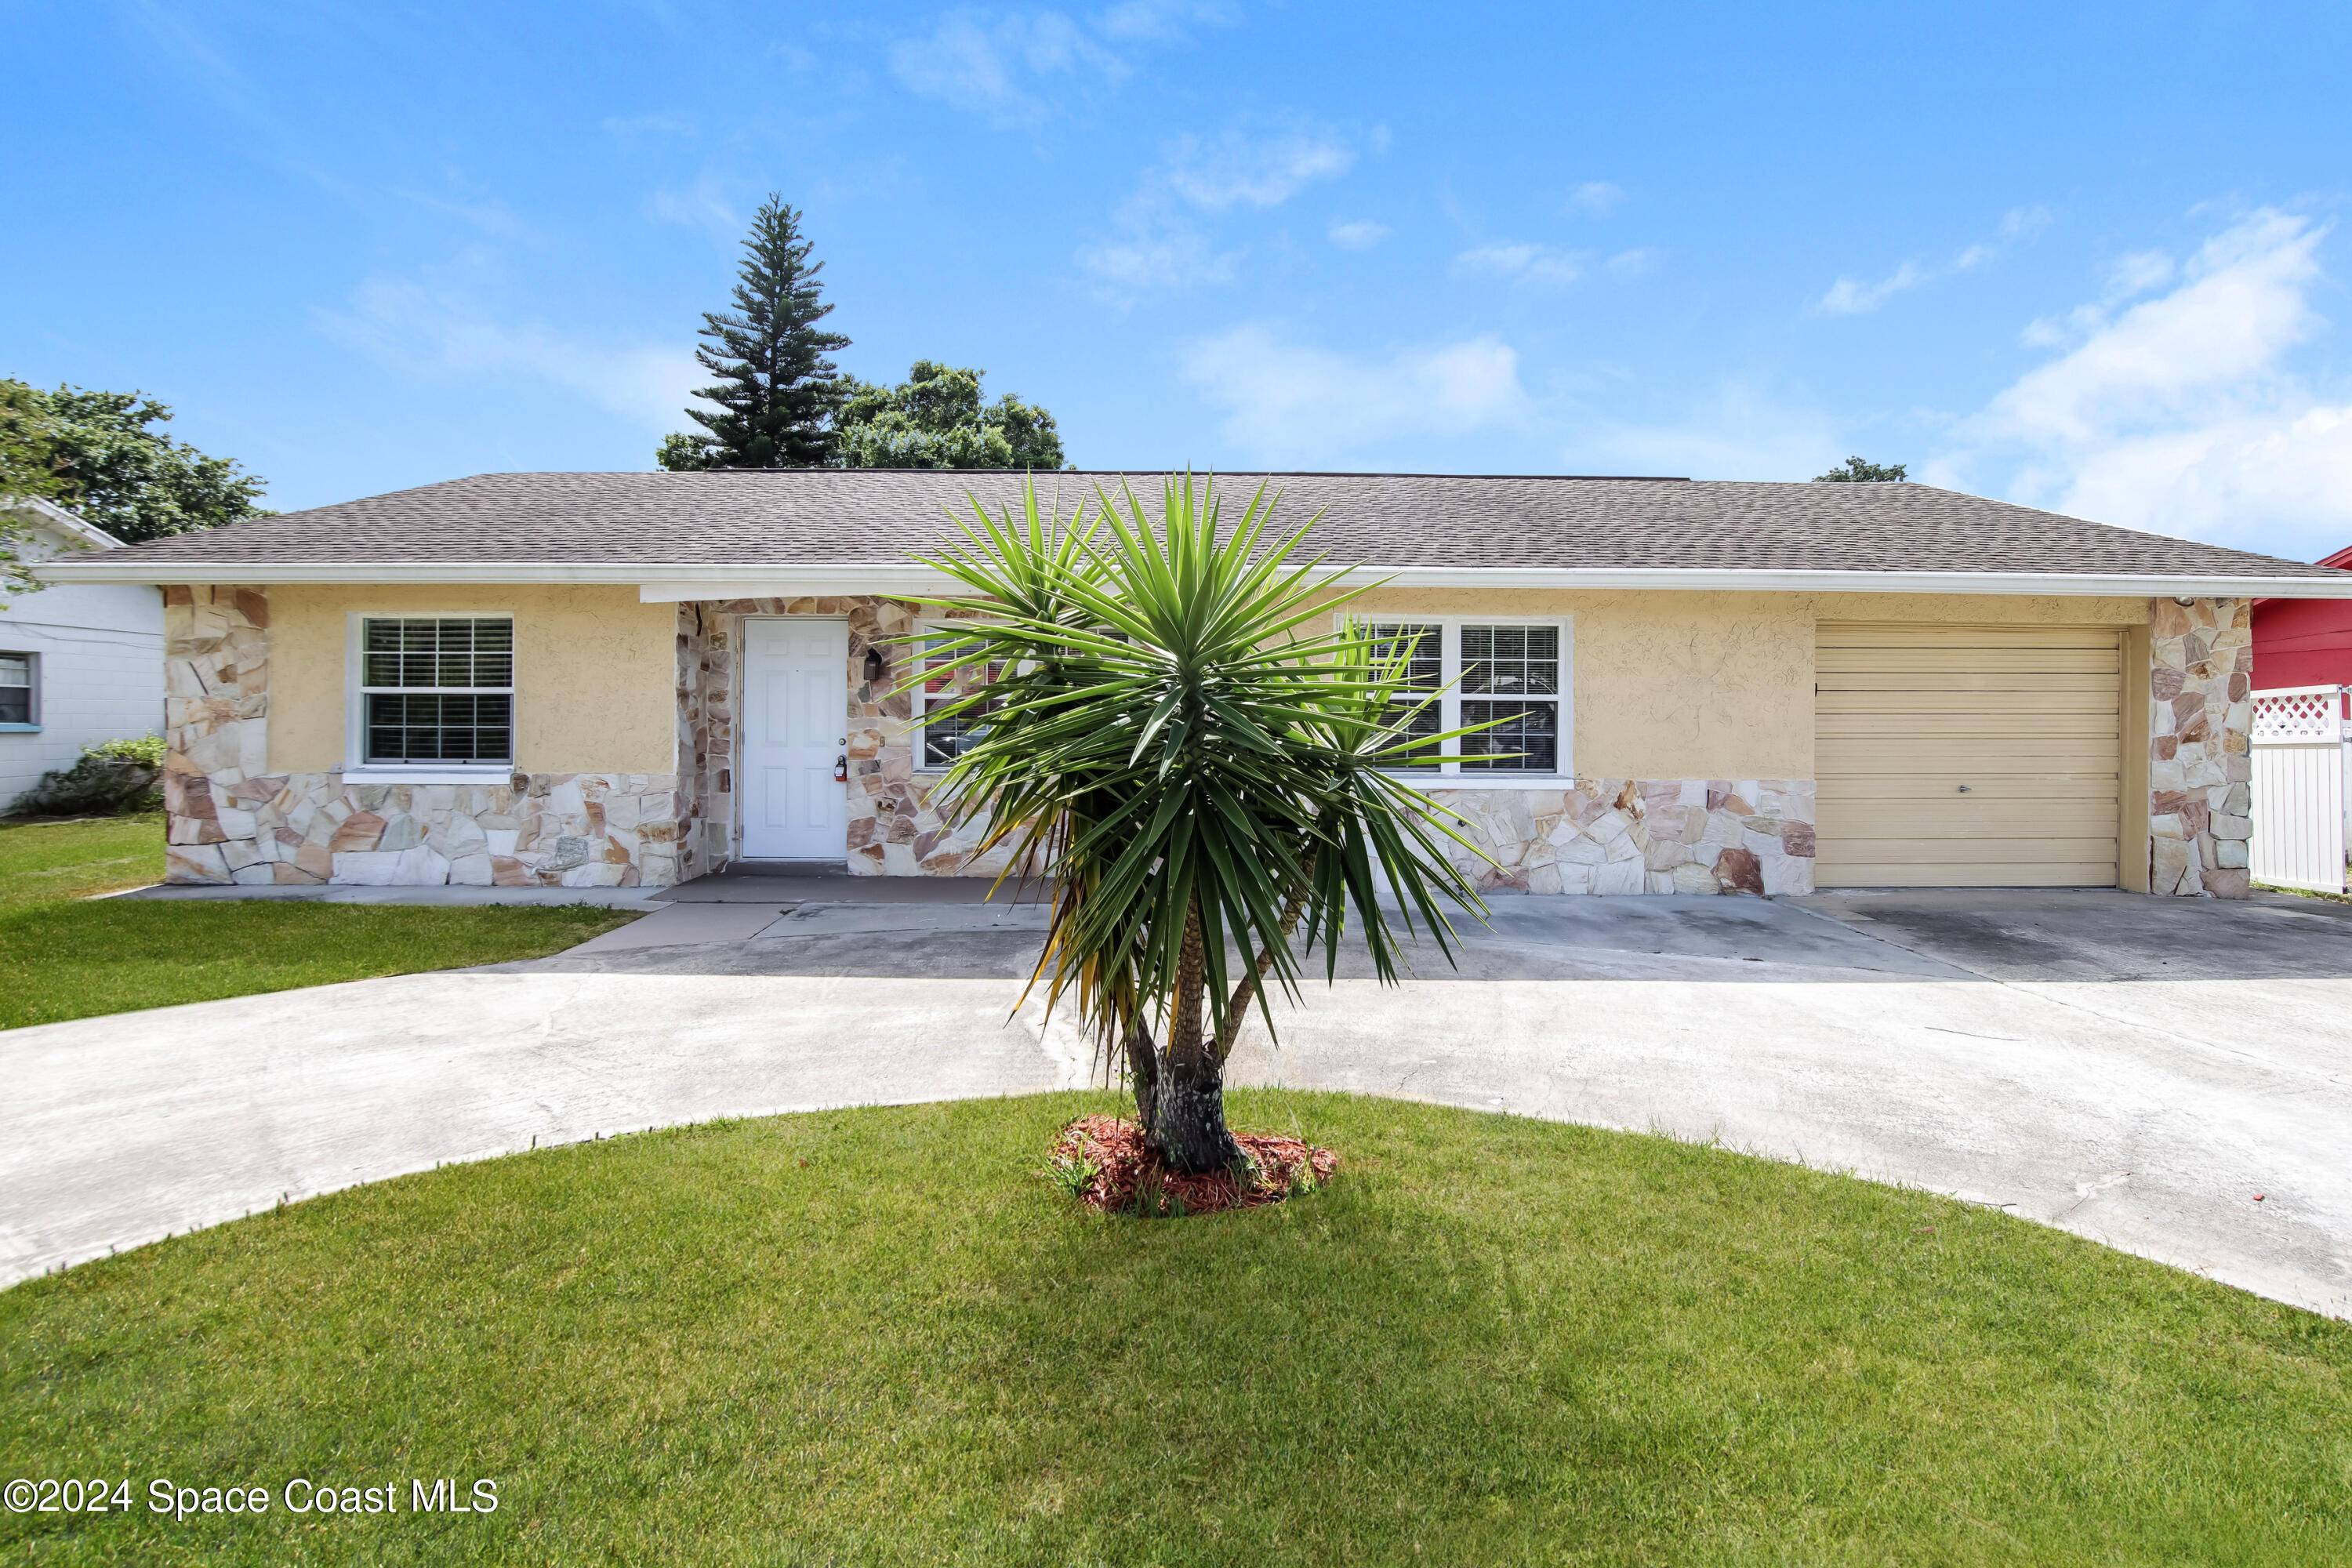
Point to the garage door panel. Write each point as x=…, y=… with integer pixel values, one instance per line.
x=1960, y=851
x=1997, y=728
x=2053, y=786
x=1982, y=874
x=2027, y=718
x=1960, y=759
x=2100, y=683
x=1970, y=818
x=1906, y=636
x=1901, y=704
x=1965, y=661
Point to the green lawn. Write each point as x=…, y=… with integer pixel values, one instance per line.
x=882, y=1336
x=66, y=956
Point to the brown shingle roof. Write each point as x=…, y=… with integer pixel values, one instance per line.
x=825, y=517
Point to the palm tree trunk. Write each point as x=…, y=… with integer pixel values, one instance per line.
x=1187, y=1121
x=1143, y=1071
x=1237, y=1011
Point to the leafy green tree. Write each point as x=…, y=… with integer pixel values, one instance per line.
x=28, y=470
x=103, y=456
x=776, y=392
x=935, y=419
x=1190, y=773
x=1857, y=472
x=681, y=453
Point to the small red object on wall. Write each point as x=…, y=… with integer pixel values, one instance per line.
x=841, y=770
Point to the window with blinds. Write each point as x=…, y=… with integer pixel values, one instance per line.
x=438, y=688
x=1511, y=677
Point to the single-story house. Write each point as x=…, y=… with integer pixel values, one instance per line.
x=595, y=680
x=80, y=663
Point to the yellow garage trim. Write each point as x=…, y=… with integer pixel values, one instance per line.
x=1958, y=755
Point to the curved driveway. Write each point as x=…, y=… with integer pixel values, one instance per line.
x=2139, y=1072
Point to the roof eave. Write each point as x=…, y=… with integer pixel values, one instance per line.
x=670, y=583
x=81, y=534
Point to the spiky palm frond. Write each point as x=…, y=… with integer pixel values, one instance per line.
x=1173, y=734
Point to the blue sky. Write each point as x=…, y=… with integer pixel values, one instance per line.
x=2087, y=257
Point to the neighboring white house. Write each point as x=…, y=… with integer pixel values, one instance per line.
x=79, y=662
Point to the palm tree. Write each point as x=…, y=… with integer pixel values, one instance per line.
x=1160, y=727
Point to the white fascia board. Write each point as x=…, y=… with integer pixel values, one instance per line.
x=62, y=520
x=786, y=583
x=674, y=584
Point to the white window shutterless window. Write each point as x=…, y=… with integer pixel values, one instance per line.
x=942, y=740
x=1517, y=672
x=436, y=691
x=795, y=704
x=20, y=691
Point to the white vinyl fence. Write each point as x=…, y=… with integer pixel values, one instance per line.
x=2299, y=739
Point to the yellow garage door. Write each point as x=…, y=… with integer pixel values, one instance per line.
x=1967, y=755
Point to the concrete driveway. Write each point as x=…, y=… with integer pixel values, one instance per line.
x=2173, y=1078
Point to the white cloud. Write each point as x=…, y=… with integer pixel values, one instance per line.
x=1362, y=233
x=703, y=205
x=1290, y=403
x=1159, y=21
x=1852, y=296
x=1159, y=241
x=1240, y=170
x=1523, y=263
x=2018, y=223
x=1736, y=431
x=2129, y=277
x=436, y=331
x=993, y=65
x=2185, y=413
x=1174, y=257
x=1631, y=263
x=1008, y=66
x=2138, y=273
x=1596, y=198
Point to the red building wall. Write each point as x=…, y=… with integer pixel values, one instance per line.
x=2304, y=642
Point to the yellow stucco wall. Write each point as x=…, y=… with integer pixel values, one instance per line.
x=1715, y=686
x=596, y=672
x=1666, y=685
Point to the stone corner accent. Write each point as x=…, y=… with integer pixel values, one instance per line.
x=2201, y=767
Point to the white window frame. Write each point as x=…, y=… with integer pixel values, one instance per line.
x=1449, y=773
x=918, y=700
x=357, y=769
x=32, y=720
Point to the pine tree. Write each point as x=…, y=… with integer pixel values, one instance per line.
x=776, y=392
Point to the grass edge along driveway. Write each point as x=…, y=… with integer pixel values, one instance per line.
x=68, y=955
x=883, y=1335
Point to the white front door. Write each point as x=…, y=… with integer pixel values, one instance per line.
x=796, y=723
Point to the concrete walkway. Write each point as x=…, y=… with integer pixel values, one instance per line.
x=2136, y=1070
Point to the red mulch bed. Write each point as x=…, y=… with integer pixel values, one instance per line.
x=1114, y=1147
